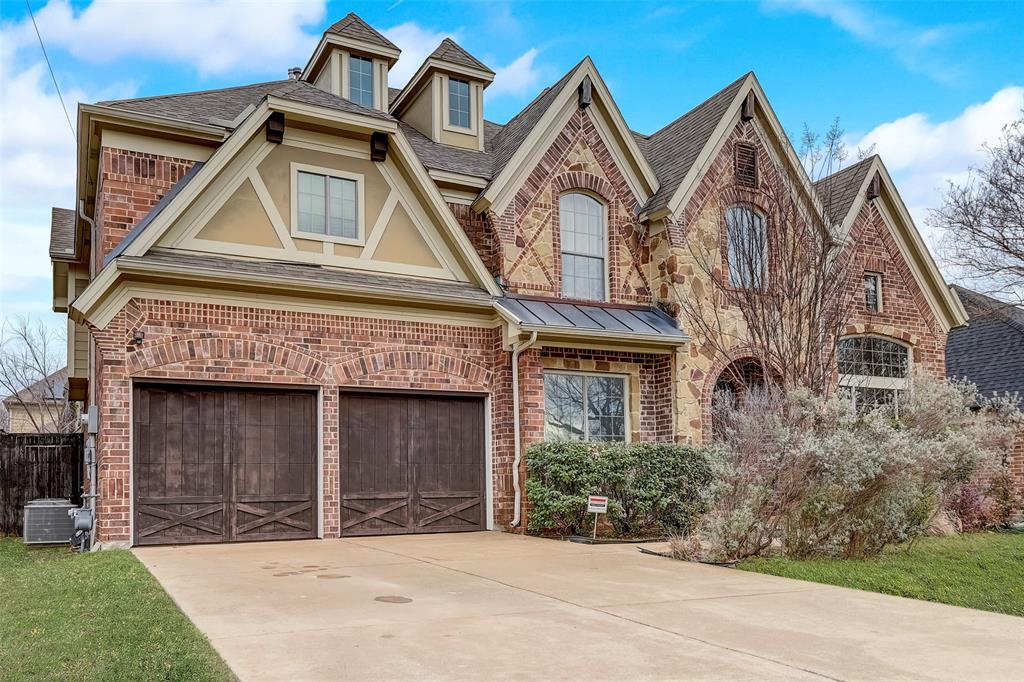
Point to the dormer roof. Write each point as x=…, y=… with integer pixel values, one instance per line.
x=450, y=51
x=355, y=28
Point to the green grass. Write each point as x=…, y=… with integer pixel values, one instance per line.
x=978, y=570
x=99, y=616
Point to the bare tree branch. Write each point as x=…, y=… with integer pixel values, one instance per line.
x=983, y=220
x=31, y=358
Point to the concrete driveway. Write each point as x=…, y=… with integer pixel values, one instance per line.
x=493, y=605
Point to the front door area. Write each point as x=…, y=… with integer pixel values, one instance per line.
x=411, y=463
x=223, y=464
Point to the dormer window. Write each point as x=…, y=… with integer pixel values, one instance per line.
x=458, y=103
x=360, y=79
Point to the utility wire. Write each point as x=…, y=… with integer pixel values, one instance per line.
x=50, y=67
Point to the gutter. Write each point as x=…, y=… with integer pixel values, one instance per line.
x=517, y=349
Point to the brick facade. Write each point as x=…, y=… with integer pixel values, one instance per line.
x=669, y=393
x=130, y=184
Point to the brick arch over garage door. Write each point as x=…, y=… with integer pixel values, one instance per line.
x=279, y=357
x=360, y=368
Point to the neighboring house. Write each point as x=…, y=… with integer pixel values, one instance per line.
x=989, y=352
x=322, y=306
x=39, y=408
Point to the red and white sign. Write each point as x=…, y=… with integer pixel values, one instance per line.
x=597, y=504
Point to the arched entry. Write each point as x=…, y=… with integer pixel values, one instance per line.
x=733, y=384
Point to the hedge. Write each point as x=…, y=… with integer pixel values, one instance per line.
x=652, y=488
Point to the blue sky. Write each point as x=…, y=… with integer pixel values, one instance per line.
x=927, y=82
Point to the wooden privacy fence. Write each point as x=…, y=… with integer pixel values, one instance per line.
x=34, y=465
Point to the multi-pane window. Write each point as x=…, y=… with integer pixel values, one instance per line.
x=458, y=103
x=327, y=205
x=747, y=246
x=583, y=247
x=873, y=292
x=584, y=407
x=360, y=80
x=873, y=371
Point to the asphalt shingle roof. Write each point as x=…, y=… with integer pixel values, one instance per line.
x=351, y=26
x=838, y=191
x=989, y=351
x=51, y=387
x=62, y=233
x=200, y=107
x=674, y=149
x=447, y=158
x=451, y=51
x=228, y=103
x=300, y=273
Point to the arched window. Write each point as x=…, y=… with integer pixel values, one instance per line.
x=747, y=246
x=583, y=247
x=873, y=371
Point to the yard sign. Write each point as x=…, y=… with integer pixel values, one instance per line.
x=597, y=504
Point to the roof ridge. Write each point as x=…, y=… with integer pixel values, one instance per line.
x=192, y=92
x=1006, y=312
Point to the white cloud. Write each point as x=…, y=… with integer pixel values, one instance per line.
x=416, y=43
x=923, y=155
x=518, y=78
x=214, y=36
x=916, y=47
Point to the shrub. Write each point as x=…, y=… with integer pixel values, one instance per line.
x=651, y=487
x=813, y=476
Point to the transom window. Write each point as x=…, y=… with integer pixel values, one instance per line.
x=583, y=247
x=747, y=246
x=873, y=371
x=327, y=205
x=589, y=407
x=873, y=292
x=458, y=103
x=360, y=80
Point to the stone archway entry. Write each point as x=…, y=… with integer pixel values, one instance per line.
x=411, y=463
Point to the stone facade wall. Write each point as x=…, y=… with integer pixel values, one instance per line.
x=130, y=184
x=689, y=254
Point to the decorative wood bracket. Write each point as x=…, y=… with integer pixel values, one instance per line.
x=379, y=147
x=747, y=108
x=275, y=127
x=874, y=187
x=585, y=92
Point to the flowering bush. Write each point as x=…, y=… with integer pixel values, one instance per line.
x=811, y=476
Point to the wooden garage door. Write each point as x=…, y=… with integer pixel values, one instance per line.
x=411, y=464
x=223, y=465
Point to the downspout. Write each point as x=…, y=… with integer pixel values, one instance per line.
x=92, y=468
x=516, y=350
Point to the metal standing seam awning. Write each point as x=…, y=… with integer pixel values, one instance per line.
x=606, y=322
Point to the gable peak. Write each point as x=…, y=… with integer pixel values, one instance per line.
x=451, y=51
x=352, y=26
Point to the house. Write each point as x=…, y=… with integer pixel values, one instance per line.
x=989, y=352
x=322, y=306
x=39, y=407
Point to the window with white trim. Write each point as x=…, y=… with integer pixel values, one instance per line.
x=458, y=103
x=746, y=246
x=873, y=371
x=588, y=407
x=360, y=80
x=327, y=205
x=583, y=247
x=873, y=292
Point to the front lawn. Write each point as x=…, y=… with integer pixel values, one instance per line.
x=99, y=616
x=978, y=570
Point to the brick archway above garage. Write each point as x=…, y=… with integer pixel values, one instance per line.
x=393, y=360
x=198, y=350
